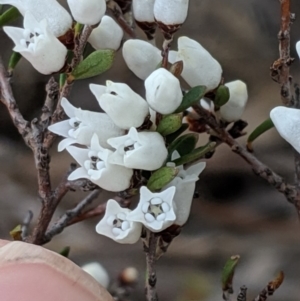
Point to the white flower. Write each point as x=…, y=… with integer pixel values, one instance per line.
x=185, y=183
x=116, y=225
x=287, y=123
x=82, y=125
x=125, y=107
x=139, y=150
x=88, y=12
x=234, y=108
x=298, y=48
x=199, y=67
x=98, y=272
x=141, y=57
x=155, y=210
x=38, y=45
x=163, y=91
x=171, y=12
x=58, y=19
x=108, y=35
x=96, y=167
x=143, y=10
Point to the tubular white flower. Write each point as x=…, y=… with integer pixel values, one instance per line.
x=108, y=35
x=185, y=183
x=88, y=12
x=139, y=150
x=125, y=107
x=171, y=12
x=116, y=225
x=141, y=57
x=234, y=108
x=199, y=67
x=82, y=125
x=38, y=45
x=97, y=271
x=96, y=167
x=163, y=91
x=143, y=10
x=154, y=210
x=58, y=19
x=287, y=123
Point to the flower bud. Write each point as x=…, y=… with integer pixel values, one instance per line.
x=38, y=45
x=125, y=107
x=143, y=10
x=88, y=12
x=163, y=91
x=286, y=120
x=199, y=67
x=234, y=108
x=58, y=19
x=141, y=57
x=98, y=272
x=298, y=48
x=108, y=35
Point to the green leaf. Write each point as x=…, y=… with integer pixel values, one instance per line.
x=169, y=124
x=62, y=79
x=184, y=144
x=65, y=251
x=228, y=273
x=262, y=128
x=78, y=28
x=16, y=233
x=13, y=61
x=161, y=178
x=96, y=63
x=195, y=155
x=191, y=97
x=9, y=15
x=222, y=96
x=170, y=138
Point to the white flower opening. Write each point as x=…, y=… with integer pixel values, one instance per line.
x=96, y=167
x=139, y=150
x=82, y=125
x=155, y=210
x=38, y=45
x=116, y=225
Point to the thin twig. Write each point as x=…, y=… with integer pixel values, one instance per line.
x=150, y=250
x=62, y=223
x=258, y=167
x=52, y=89
x=242, y=296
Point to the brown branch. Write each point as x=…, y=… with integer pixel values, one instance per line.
x=150, y=250
x=63, y=222
x=258, y=167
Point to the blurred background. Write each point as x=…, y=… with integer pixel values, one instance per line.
x=236, y=212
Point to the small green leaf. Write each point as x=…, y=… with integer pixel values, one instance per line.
x=16, y=233
x=262, y=128
x=9, y=15
x=96, y=63
x=228, y=273
x=170, y=138
x=191, y=97
x=65, y=251
x=196, y=154
x=161, y=178
x=78, y=28
x=169, y=124
x=222, y=96
x=62, y=79
x=13, y=61
x=184, y=144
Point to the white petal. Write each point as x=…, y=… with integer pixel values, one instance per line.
x=79, y=173
x=62, y=145
x=298, y=48
x=87, y=12
x=68, y=107
x=108, y=35
x=79, y=154
x=97, y=90
x=141, y=57
x=163, y=91
x=98, y=272
x=61, y=128
x=143, y=10
x=171, y=12
x=234, y=108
